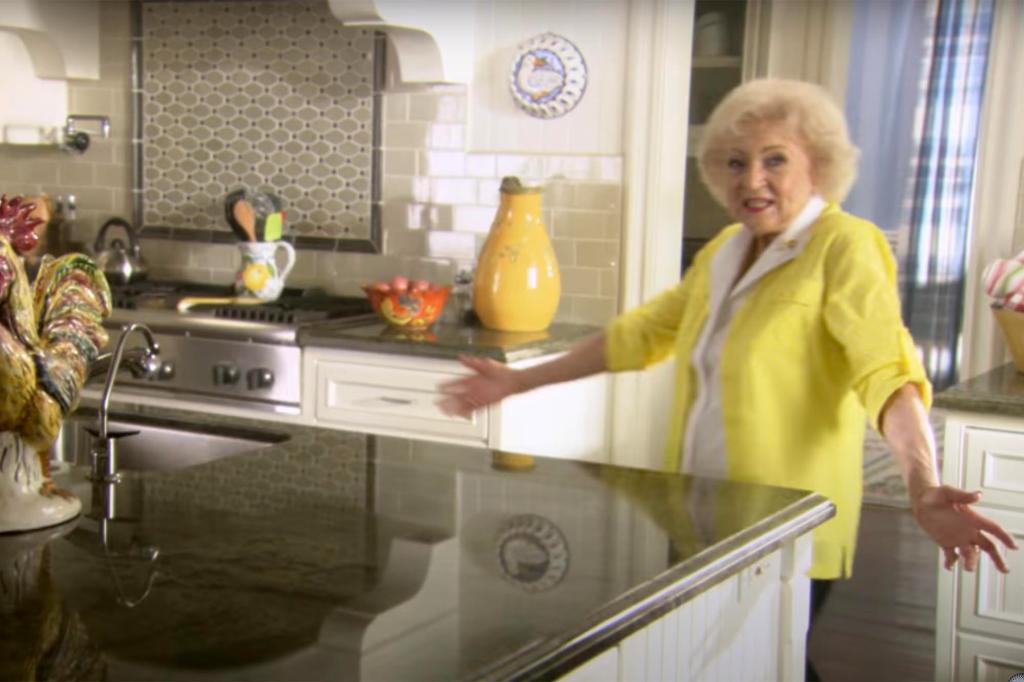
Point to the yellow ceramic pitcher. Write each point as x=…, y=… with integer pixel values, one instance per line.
x=517, y=284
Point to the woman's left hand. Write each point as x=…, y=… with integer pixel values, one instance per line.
x=945, y=513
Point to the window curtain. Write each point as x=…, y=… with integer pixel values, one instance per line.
x=887, y=59
x=942, y=171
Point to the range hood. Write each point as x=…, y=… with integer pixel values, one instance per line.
x=432, y=42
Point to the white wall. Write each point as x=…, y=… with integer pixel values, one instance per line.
x=998, y=221
x=597, y=28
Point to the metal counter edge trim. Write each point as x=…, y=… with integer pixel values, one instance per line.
x=614, y=622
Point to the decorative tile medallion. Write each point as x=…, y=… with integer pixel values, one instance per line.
x=275, y=96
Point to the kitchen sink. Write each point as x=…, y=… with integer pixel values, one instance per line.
x=148, y=443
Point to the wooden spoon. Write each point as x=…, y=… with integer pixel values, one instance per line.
x=246, y=218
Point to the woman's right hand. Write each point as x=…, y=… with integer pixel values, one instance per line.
x=490, y=383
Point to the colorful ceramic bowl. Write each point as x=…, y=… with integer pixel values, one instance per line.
x=408, y=309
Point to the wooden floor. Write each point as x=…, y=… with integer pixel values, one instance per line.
x=880, y=624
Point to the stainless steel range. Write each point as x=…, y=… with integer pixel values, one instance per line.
x=242, y=356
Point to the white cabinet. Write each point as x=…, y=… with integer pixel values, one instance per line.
x=980, y=615
x=396, y=395
x=752, y=626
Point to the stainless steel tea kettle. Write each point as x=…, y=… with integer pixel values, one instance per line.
x=121, y=265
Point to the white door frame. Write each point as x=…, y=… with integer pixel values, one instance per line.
x=656, y=111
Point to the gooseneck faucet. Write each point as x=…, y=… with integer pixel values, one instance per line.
x=145, y=361
x=148, y=361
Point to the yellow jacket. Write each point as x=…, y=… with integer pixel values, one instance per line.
x=817, y=346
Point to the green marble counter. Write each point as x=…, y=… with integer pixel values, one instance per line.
x=999, y=391
x=337, y=555
x=444, y=341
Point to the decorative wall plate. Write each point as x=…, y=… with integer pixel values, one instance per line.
x=549, y=76
x=532, y=552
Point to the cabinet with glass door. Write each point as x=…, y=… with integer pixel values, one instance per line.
x=720, y=62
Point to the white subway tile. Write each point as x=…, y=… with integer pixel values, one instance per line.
x=399, y=162
x=585, y=281
x=480, y=165
x=451, y=108
x=565, y=251
x=453, y=190
x=423, y=107
x=597, y=254
x=394, y=213
x=592, y=309
x=447, y=136
x=558, y=193
x=555, y=166
x=89, y=100
x=406, y=242
x=597, y=196
x=472, y=218
x=613, y=225
x=580, y=224
x=519, y=165
x=457, y=245
x=610, y=284
x=610, y=169
x=441, y=164
x=396, y=107
x=488, y=192
x=405, y=188
x=406, y=135
x=72, y=173
x=217, y=257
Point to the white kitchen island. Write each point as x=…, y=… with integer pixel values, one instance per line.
x=331, y=554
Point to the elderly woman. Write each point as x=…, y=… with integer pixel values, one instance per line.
x=786, y=333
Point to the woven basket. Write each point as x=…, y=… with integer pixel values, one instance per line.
x=1012, y=324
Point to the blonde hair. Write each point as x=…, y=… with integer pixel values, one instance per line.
x=805, y=109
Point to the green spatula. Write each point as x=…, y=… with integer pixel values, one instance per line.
x=272, y=230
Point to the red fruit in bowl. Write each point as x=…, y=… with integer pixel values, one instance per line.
x=399, y=283
x=382, y=287
x=420, y=285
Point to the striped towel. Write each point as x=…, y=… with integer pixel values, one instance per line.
x=1004, y=281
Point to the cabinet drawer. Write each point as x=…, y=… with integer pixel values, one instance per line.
x=988, y=660
x=390, y=400
x=989, y=601
x=994, y=464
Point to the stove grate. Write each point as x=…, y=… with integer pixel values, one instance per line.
x=256, y=314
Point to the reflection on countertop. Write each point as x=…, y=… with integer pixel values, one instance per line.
x=336, y=555
x=445, y=341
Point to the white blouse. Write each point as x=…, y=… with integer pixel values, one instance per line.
x=704, y=440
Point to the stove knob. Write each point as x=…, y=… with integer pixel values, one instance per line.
x=225, y=374
x=166, y=371
x=261, y=377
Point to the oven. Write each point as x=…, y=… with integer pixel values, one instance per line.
x=244, y=357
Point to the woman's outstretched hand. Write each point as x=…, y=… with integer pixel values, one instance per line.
x=945, y=513
x=490, y=383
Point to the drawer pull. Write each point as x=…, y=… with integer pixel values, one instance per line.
x=396, y=401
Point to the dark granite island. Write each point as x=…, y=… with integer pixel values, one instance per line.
x=336, y=555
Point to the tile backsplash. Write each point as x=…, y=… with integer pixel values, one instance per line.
x=438, y=197
x=276, y=96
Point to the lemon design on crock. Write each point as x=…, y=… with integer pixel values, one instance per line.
x=255, y=276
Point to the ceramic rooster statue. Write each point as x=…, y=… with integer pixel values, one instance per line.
x=50, y=332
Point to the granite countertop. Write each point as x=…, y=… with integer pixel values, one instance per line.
x=998, y=391
x=446, y=341
x=338, y=555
